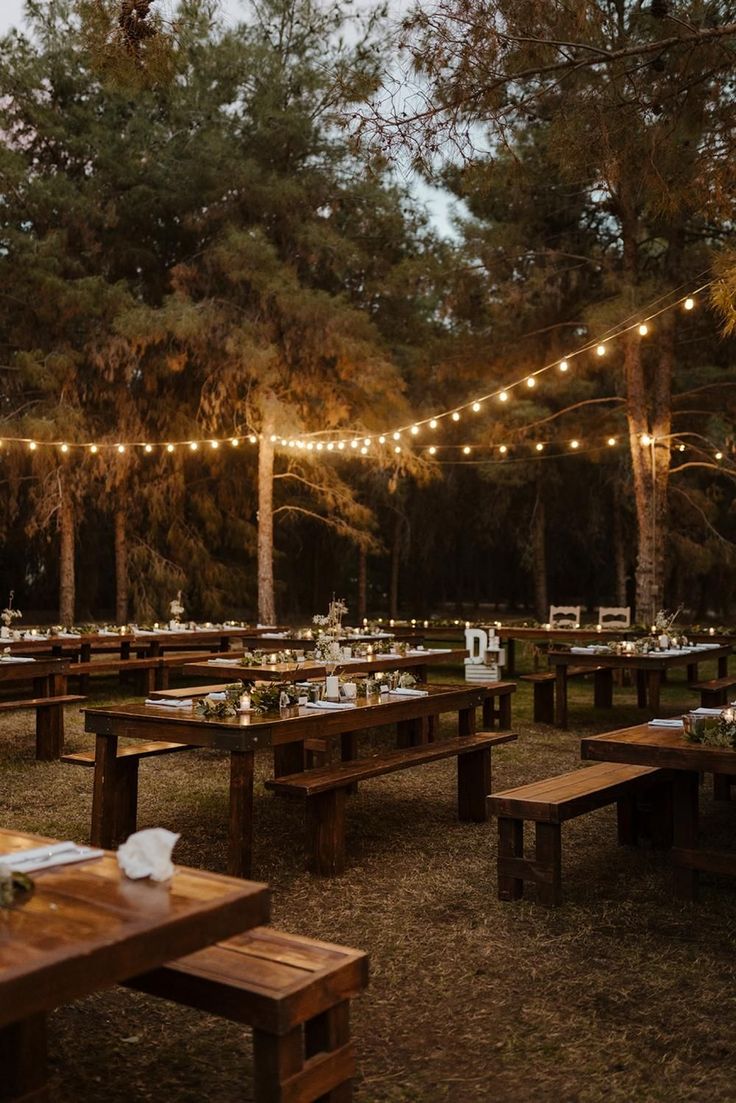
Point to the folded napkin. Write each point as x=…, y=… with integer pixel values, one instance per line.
x=223, y=662
x=69, y=635
x=171, y=702
x=148, y=854
x=46, y=857
x=592, y=650
x=330, y=705
x=409, y=692
x=674, y=723
x=217, y=695
x=274, y=635
x=16, y=659
x=705, y=712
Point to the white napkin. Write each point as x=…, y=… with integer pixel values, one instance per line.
x=331, y=705
x=45, y=857
x=401, y=692
x=69, y=635
x=674, y=723
x=591, y=650
x=16, y=659
x=223, y=662
x=706, y=712
x=170, y=702
x=273, y=635
x=217, y=695
x=148, y=854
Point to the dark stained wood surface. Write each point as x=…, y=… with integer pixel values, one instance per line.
x=215, y=671
x=87, y=927
x=26, y=672
x=666, y=747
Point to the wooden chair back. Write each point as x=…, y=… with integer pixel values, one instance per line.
x=564, y=616
x=614, y=616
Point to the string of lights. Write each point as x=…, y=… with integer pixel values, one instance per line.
x=393, y=441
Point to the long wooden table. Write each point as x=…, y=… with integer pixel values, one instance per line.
x=87, y=927
x=284, y=736
x=418, y=662
x=668, y=748
x=509, y=634
x=48, y=679
x=649, y=669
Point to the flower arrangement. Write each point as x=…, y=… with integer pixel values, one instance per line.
x=10, y=614
x=272, y=696
x=711, y=731
x=176, y=608
x=220, y=708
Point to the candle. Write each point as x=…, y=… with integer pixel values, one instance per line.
x=598, y=627
x=392, y=622
x=546, y=627
x=711, y=631
x=426, y=624
x=332, y=687
x=365, y=622
x=413, y=622
x=467, y=624
x=244, y=702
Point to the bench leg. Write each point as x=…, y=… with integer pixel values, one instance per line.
x=510, y=845
x=126, y=799
x=23, y=1061
x=325, y=821
x=473, y=785
x=549, y=859
x=276, y=1059
x=310, y=1063
x=660, y=828
x=327, y=1038
x=163, y=680
x=49, y=732
x=544, y=702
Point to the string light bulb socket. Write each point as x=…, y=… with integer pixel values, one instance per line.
x=455, y=416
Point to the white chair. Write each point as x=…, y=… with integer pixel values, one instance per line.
x=564, y=616
x=614, y=616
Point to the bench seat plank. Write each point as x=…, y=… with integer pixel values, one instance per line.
x=40, y=702
x=557, y=799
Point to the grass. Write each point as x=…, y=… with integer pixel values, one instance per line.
x=621, y=994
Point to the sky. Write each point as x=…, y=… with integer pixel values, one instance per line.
x=436, y=201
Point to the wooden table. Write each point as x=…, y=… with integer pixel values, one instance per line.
x=509, y=634
x=48, y=677
x=281, y=672
x=649, y=669
x=242, y=735
x=668, y=748
x=87, y=927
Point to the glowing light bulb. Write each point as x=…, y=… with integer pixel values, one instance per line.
x=193, y=445
x=456, y=416
x=367, y=442
x=121, y=448
x=643, y=329
x=341, y=446
x=466, y=450
x=320, y=446
x=32, y=445
x=300, y=444
x=531, y=381
x=364, y=451
x=540, y=447
x=148, y=448
x=330, y=446
x=354, y=443
x=680, y=447
x=397, y=449
x=381, y=440
x=476, y=407
x=645, y=439
x=503, y=449
x=600, y=350
x=719, y=455
x=574, y=443
x=397, y=436
x=65, y=447
x=433, y=423
x=432, y=450
x=93, y=449
x=169, y=447
x=689, y=303
x=274, y=438
x=310, y=446
x=564, y=365
x=414, y=430
x=504, y=396
x=611, y=442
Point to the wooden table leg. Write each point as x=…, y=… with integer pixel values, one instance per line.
x=654, y=683
x=561, y=695
x=240, y=856
x=288, y=758
x=641, y=689
x=685, y=830
x=49, y=723
x=603, y=688
x=473, y=785
x=466, y=721
x=723, y=666
x=23, y=1061
x=692, y=672
x=412, y=733
x=104, y=793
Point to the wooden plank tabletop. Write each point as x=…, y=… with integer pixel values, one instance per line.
x=666, y=747
x=87, y=927
x=217, y=669
x=253, y=730
x=650, y=660
x=39, y=668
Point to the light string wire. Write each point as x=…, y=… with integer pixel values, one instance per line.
x=359, y=441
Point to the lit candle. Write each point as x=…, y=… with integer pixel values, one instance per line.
x=244, y=702
x=392, y=622
x=598, y=627
x=467, y=624
x=711, y=631
x=413, y=622
x=426, y=624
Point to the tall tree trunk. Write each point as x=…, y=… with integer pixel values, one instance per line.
x=66, y=555
x=393, y=593
x=266, y=599
x=539, y=556
x=362, y=584
x=619, y=550
x=121, y=566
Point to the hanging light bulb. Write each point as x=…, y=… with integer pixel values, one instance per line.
x=397, y=436
x=600, y=350
x=214, y=444
x=65, y=447
x=414, y=430
x=169, y=447
x=320, y=446
x=564, y=365
x=193, y=445
x=504, y=396
x=364, y=451
x=330, y=446
x=93, y=449
x=354, y=443
x=466, y=450
x=531, y=381
x=503, y=449
x=681, y=448
x=476, y=407
x=574, y=444
x=148, y=448
x=689, y=303
x=381, y=440
x=32, y=445
x=121, y=448
x=643, y=329
x=540, y=447
x=367, y=442
x=397, y=449
x=719, y=455
x=645, y=439
x=432, y=450
x=310, y=446
x=611, y=442
x=341, y=446
x=274, y=438
x=433, y=423
x=455, y=416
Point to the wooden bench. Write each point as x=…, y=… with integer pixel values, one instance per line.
x=544, y=689
x=144, y=668
x=294, y=992
x=49, y=721
x=127, y=762
x=715, y=692
x=326, y=788
x=551, y=802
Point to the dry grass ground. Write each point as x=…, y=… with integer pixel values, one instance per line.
x=622, y=994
